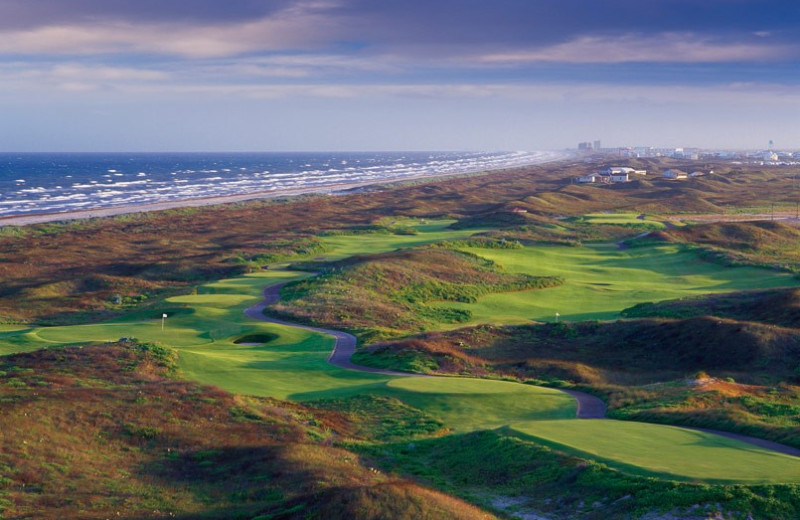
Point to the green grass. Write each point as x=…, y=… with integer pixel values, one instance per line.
x=474, y=404
x=665, y=451
x=11, y=328
x=601, y=281
x=622, y=219
x=214, y=314
x=294, y=366
x=338, y=247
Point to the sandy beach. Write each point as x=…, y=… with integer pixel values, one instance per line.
x=336, y=189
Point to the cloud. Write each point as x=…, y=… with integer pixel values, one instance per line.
x=633, y=48
x=298, y=66
x=46, y=79
x=298, y=26
x=22, y=14
x=598, y=94
x=103, y=73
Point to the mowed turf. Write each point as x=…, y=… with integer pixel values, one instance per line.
x=343, y=246
x=665, y=451
x=624, y=219
x=601, y=280
x=474, y=404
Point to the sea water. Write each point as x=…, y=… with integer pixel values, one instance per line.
x=41, y=183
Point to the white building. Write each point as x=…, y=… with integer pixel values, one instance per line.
x=675, y=174
x=616, y=170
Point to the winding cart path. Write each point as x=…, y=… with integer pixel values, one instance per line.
x=589, y=406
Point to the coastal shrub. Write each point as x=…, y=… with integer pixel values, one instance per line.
x=483, y=243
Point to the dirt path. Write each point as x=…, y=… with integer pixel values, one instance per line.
x=589, y=406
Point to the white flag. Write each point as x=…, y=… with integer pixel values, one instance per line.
x=164, y=315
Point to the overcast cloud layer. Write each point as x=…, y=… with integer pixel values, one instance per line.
x=390, y=74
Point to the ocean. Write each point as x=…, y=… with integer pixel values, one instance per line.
x=44, y=183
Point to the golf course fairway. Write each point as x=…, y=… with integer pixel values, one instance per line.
x=205, y=329
x=601, y=280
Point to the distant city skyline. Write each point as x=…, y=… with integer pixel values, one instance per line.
x=278, y=75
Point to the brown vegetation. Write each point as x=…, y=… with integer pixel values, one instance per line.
x=770, y=243
x=103, y=431
x=777, y=307
x=394, y=294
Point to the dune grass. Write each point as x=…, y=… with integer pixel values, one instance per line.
x=602, y=280
x=665, y=451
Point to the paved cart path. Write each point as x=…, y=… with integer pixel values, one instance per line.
x=589, y=406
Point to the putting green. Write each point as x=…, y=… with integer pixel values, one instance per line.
x=476, y=404
x=666, y=451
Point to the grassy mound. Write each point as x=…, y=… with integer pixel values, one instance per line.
x=395, y=500
x=641, y=351
x=394, y=293
x=778, y=307
x=104, y=431
x=255, y=339
x=769, y=243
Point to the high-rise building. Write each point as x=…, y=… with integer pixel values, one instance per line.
x=597, y=145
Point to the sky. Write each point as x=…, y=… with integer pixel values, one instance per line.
x=330, y=75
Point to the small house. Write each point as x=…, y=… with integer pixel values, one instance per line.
x=591, y=178
x=675, y=174
x=618, y=170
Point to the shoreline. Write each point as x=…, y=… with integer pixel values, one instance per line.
x=332, y=189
